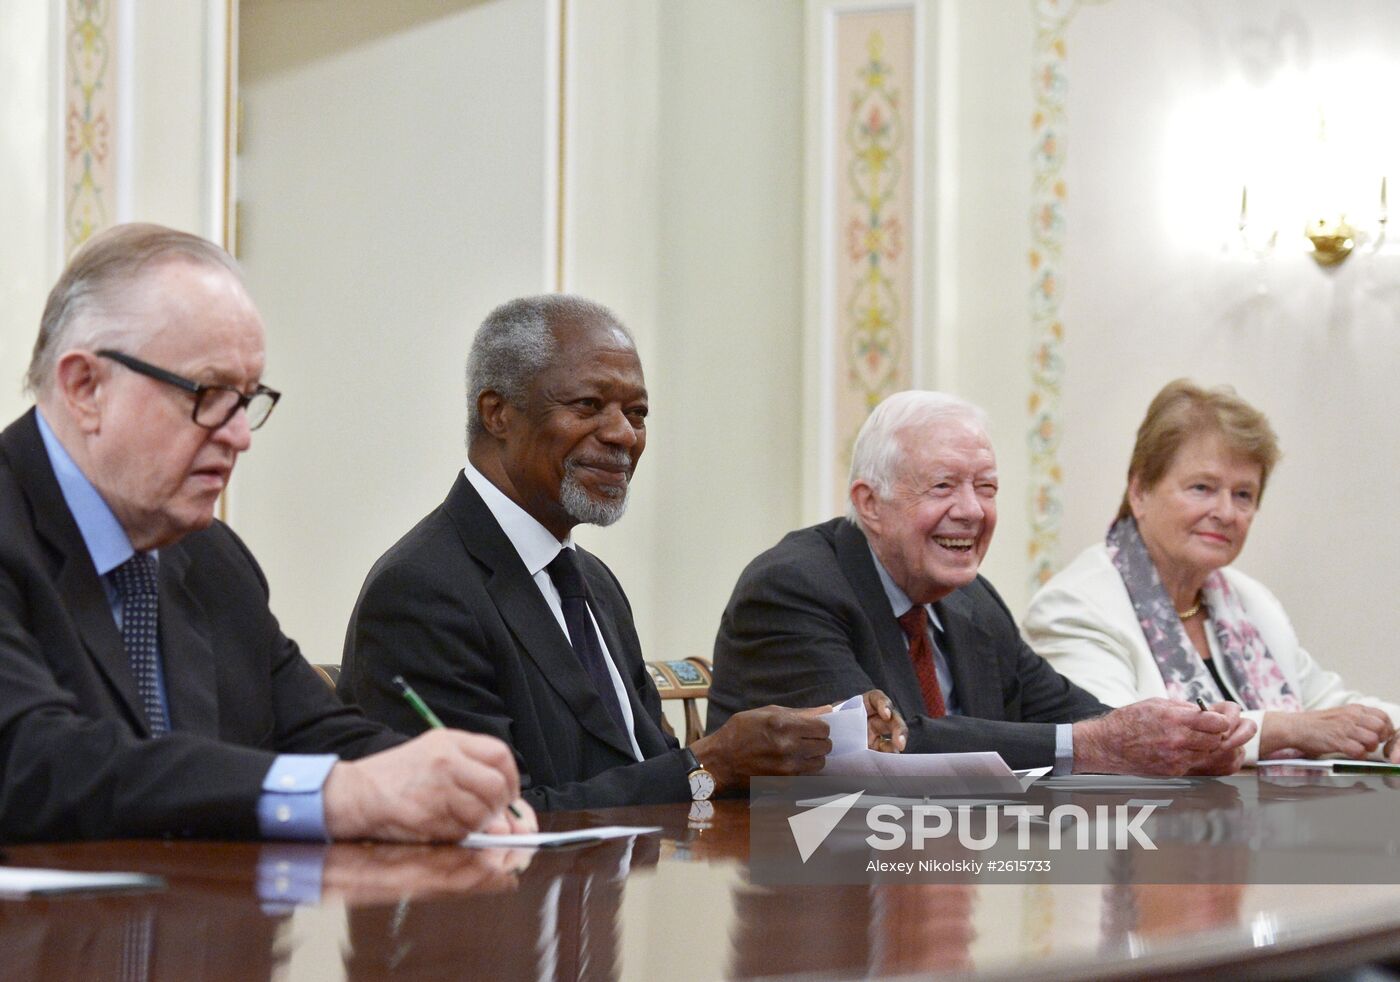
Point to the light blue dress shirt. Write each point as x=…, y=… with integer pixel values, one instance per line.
x=900, y=603
x=292, y=805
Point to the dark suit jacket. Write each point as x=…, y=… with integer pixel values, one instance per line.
x=74, y=761
x=809, y=623
x=452, y=608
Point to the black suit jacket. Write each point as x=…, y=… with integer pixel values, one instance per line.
x=74, y=758
x=452, y=608
x=809, y=623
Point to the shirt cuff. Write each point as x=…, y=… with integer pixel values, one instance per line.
x=1064, y=749
x=292, y=805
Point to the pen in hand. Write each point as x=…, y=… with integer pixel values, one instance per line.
x=431, y=718
x=1199, y=701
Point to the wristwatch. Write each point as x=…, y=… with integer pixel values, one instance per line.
x=702, y=782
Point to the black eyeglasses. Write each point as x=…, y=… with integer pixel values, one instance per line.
x=214, y=405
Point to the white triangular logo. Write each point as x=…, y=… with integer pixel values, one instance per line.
x=810, y=829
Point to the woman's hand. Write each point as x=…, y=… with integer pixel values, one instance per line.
x=1352, y=731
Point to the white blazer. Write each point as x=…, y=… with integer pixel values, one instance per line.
x=1083, y=623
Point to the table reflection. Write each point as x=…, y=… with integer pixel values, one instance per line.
x=362, y=874
x=189, y=935
x=559, y=919
x=249, y=911
x=853, y=930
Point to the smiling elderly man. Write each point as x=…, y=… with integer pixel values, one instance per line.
x=890, y=598
x=505, y=627
x=145, y=687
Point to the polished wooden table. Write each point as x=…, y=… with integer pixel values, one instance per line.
x=674, y=906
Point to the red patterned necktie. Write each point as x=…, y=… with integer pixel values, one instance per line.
x=915, y=624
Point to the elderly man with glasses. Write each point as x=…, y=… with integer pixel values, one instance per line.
x=145, y=687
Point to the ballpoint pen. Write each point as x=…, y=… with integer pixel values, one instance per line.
x=431, y=718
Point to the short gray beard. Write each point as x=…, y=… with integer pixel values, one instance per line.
x=583, y=507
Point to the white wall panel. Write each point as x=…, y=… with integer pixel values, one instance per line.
x=393, y=190
x=1150, y=298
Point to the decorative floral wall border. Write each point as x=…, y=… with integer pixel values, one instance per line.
x=1047, y=227
x=872, y=341
x=90, y=119
x=873, y=143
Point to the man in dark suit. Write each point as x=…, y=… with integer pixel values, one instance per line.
x=145, y=687
x=505, y=627
x=890, y=598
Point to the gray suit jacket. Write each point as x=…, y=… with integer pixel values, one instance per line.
x=453, y=609
x=74, y=758
x=809, y=623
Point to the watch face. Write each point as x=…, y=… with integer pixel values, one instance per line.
x=702, y=784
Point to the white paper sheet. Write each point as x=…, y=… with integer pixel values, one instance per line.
x=545, y=840
x=983, y=771
x=20, y=882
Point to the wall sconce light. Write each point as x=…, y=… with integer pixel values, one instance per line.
x=1330, y=240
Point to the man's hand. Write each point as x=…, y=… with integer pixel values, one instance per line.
x=764, y=742
x=521, y=821
x=884, y=728
x=436, y=788
x=1163, y=738
x=1230, y=757
x=1352, y=731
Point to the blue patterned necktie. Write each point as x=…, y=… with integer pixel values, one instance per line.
x=573, y=598
x=135, y=581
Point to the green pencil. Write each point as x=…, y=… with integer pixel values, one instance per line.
x=416, y=701
x=431, y=718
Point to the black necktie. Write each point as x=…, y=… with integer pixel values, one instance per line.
x=573, y=597
x=135, y=581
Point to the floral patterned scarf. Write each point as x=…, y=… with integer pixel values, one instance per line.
x=1252, y=669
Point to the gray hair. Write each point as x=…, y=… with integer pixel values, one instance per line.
x=878, y=454
x=82, y=312
x=516, y=343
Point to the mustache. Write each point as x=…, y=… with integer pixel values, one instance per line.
x=620, y=459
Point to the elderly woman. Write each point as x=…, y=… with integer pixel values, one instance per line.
x=1156, y=610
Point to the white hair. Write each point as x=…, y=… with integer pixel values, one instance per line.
x=878, y=453
x=84, y=307
x=516, y=343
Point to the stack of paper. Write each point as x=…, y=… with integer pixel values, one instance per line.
x=546, y=840
x=982, y=772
